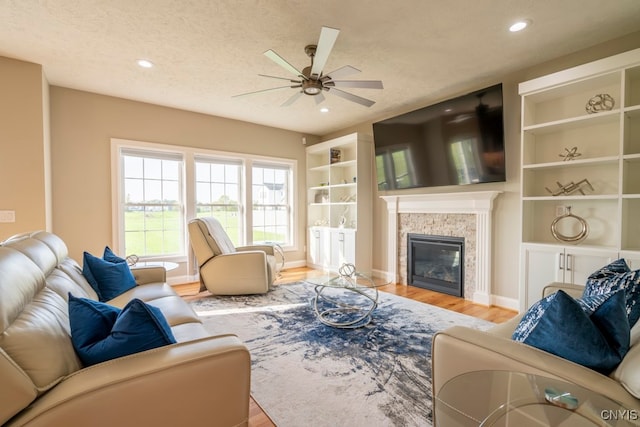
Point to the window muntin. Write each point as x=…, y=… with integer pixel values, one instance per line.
x=271, y=204
x=218, y=194
x=143, y=189
x=152, y=203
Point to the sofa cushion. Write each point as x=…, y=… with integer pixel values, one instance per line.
x=614, y=276
x=627, y=372
x=593, y=332
x=100, y=332
x=109, y=279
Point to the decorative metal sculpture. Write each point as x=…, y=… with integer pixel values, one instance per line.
x=600, y=102
x=575, y=239
x=572, y=187
x=571, y=154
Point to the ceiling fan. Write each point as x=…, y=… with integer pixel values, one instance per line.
x=311, y=80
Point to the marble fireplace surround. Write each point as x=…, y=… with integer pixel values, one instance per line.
x=469, y=211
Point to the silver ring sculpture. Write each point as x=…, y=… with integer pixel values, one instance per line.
x=575, y=239
x=342, y=313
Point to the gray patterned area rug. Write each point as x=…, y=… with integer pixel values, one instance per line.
x=307, y=373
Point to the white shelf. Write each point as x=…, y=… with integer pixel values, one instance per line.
x=573, y=122
x=554, y=121
x=347, y=201
x=574, y=163
x=578, y=198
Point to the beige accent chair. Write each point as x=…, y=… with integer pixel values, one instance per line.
x=226, y=269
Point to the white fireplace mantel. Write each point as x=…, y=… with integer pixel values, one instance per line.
x=478, y=203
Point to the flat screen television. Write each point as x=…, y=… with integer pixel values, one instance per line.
x=455, y=142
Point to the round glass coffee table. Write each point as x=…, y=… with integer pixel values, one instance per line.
x=346, y=300
x=504, y=398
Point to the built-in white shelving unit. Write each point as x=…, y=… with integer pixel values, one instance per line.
x=339, y=209
x=554, y=121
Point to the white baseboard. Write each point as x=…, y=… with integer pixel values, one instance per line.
x=177, y=280
x=295, y=264
x=504, y=302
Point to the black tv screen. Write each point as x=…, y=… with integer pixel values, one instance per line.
x=456, y=142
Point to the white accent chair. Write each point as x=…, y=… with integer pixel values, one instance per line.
x=226, y=269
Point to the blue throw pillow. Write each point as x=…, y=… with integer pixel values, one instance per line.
x=108, y=255
x=137, y=327
x=594, y=333
x=109, y=279
x=613, y=277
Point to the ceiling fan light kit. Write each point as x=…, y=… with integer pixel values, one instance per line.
x=311, y=80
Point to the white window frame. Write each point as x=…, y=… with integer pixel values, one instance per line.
x=189, y=154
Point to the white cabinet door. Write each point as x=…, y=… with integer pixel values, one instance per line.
x=632, y=259
x=319, y=247
x=541, y=265
x=343, y=247
x=544, y=264
x=580, y=263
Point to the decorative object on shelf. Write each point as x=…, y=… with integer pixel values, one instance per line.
x=132, y=260
x=600, y=102
x=343, y=218
x=320, y=222
x=571, y=154
x=572, y=187
x=575, y=239
x=321, y=196
x=336, y=155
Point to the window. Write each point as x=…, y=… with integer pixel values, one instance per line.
x=158, y=188
x=271, y=203
x=218, y=194
x=152, y=205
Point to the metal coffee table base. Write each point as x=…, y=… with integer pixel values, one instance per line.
x=346, y=301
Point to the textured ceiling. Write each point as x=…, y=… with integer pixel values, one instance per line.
x=206, y=51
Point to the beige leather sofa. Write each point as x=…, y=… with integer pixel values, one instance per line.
x=458, y=350
x=200, y=381
x=228, y=270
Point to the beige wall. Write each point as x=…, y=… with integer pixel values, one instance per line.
x=24, y=142
x=506, y=218
x=82, y=125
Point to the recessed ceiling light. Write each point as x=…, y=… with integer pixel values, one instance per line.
x=519, y=26
x=324, y=110
x=144, y=63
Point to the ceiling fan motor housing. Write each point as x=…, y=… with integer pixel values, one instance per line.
x=311, y=85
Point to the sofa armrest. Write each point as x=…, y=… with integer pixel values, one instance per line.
x=573, y=290
x=151, y=274
x=268, y=249
x=204, y=382
x=236, y=273
x=458, y=350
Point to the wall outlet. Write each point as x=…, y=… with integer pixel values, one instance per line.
x=561, y=210
x=7, y=216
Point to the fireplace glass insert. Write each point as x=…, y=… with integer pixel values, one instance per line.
x=436, y=263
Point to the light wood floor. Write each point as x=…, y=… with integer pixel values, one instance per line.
x=258, y=418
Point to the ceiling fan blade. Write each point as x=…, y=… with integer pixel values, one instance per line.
x=291, y=100
x=341, y=72
x=280, y=78
x=351, y=97
x=319, y=98
x=327, y=39
x=265, y=90
x=283, y=63
x=364, y=84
